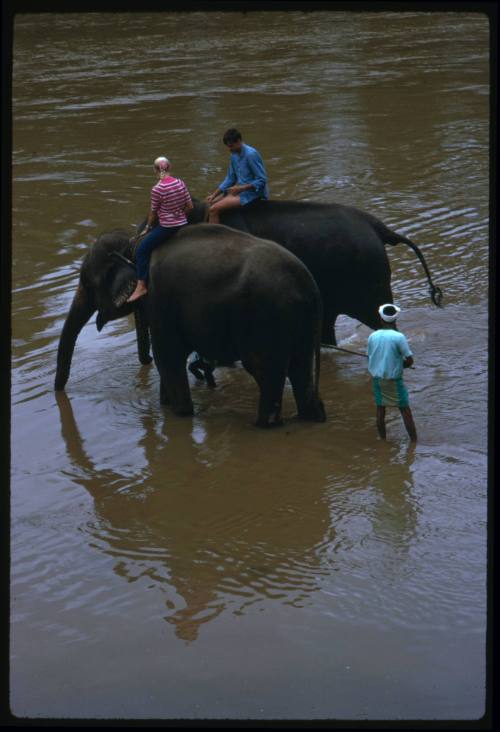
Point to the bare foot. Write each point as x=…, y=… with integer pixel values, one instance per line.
x=139, y=291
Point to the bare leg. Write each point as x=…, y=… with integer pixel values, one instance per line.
x=139, y=291
x=409, y=423
x=381, y=422
x=216, y=208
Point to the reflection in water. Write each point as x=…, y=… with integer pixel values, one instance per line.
x=396, y=514
x=215, y=546
x=210, y=547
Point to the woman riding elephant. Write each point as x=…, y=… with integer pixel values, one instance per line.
x=170, y=201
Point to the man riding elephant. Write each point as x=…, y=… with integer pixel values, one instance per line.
x=246, y=179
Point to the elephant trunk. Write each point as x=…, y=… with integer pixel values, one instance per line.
x=81, y=310
x=320, y=407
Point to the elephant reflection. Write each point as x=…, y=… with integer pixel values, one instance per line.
x=215, y=546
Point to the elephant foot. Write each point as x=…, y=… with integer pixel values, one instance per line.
x=313, y=413
x=202, y=371
x=328, y=338
x=145, y=360
x=196, y=371
x=210, y=380
x=183, y=411
x=266, y=424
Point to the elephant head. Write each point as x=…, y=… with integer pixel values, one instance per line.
x=107, y=278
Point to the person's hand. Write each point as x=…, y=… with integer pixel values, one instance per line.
x=211, y=196
x=235, y=190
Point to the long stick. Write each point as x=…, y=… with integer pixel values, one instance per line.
x=337, y=348
x=354, y=353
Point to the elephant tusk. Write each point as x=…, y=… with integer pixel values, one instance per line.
x=122, y=298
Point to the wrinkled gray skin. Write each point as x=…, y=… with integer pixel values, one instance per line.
x=342, y=246
x=217, y=291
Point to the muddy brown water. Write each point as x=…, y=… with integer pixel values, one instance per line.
x=165, y=567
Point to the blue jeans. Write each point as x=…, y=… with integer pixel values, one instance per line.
x=143, y=253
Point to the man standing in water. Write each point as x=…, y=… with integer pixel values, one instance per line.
x=246, y=179
x=388, y=354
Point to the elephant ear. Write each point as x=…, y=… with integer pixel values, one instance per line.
x=122, y=284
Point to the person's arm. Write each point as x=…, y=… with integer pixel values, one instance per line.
x=153, y=212
x=259, y=181
x=150, y=222
x=405, y=351
x=228, y=181
x=212, y=196
x=240, y=187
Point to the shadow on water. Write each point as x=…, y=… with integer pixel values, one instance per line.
x=210, y=545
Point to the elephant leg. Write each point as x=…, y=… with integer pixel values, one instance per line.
x=159, y=362
x=299, y=374
x=142, y=333
x=170, y=359
x=164, y=396
x=209, y=374
x=203, y=370
x=330, y=314
x=271, y=382
x=176, y=386
x=328, y=335
x=309, y=406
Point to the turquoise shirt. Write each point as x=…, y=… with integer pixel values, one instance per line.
x=247, y=167
x=387, y=350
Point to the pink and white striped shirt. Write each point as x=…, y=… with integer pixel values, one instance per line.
x=168, y=198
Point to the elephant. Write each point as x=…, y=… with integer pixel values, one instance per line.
x=221, y=292
x=342, y=246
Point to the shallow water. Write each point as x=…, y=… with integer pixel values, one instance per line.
x=201, y=568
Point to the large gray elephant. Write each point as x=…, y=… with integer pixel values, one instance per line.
x=342, y=246
x=221, y=292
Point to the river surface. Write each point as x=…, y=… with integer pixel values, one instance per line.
x=178, y=568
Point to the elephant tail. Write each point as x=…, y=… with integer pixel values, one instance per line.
x=391, y=237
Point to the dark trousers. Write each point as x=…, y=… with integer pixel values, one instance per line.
x=143, y=253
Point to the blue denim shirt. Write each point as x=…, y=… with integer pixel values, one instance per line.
x=247, y=167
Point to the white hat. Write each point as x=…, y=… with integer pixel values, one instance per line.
x=392, y=312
